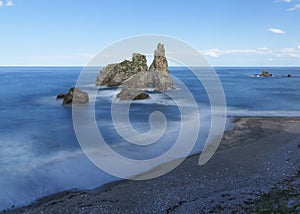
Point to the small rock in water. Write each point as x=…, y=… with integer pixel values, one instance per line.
x=74, y=96
x=68, y=99
x=60, y=96
x=265, y=74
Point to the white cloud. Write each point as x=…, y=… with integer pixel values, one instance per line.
x=271, y=54
x=215, y=52
x=212, y=52
x=295, y=55
x=285, y=1
x=296, y=7
x=289, y=50
x=9, y=3
x=276, y=30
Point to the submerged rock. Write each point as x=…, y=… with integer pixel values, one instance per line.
x=74, y=96
x=132, y=94
x=142, y=96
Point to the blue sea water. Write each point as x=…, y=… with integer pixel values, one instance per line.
x=39, y=151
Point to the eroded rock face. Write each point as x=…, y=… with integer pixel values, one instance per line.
x=160, y=81
x=74, y=96
x=158, y=76
x=116, y=74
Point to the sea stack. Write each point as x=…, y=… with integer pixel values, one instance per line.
x=134, y=76
x=160, y=62
x=158, y=75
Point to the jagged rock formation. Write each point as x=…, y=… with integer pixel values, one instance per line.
x=116, y=74
x=74, y=96
x=135, y=77
x=160, y=62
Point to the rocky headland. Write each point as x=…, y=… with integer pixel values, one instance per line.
x=134, y=76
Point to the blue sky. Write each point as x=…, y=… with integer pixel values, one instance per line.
x=227, y=32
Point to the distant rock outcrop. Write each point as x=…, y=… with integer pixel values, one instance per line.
x=74, y=96
x=135, y=77
x=265, y=74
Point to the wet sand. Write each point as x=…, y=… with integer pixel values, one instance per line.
x=254, y=157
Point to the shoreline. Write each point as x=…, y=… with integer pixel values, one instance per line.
x=254, y=156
